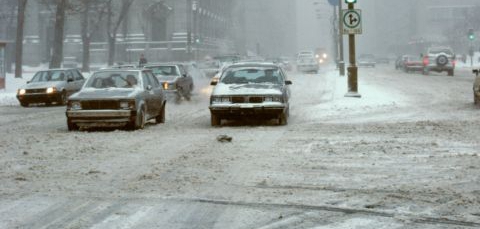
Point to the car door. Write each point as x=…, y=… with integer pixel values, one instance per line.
x=148, y=95
x=79, y=80
x=158, y=96
x=70, y=82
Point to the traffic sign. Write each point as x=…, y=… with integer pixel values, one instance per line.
x=352, y=21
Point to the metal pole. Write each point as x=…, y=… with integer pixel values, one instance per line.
x=352, y=68
x=189, y=29
x=335, y=34
x=341, y=62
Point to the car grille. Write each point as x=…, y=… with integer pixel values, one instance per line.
x=247, y=99
x=255, y=99
x=238, y=99
x=99, y=105
x=33, y=91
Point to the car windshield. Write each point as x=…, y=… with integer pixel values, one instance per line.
x=47, y=76
x=251, y=75
x=441, y=50
x=164, y=70
x=113, y=79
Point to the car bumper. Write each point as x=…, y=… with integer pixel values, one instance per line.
x=100, y=117
x=439, y=68
x=39, y=98
x=248, y=109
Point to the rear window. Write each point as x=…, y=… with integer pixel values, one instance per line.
x=114, y=79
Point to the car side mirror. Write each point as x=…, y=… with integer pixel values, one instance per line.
x=288, y=82
x=213, y=83
x=70, y=80
x=184, y=75
x=149, y=87
x=475, y=71
x=28, y=82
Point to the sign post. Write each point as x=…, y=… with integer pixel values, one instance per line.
x=2, y=64
x=352, y=24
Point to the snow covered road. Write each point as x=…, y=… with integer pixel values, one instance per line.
x=406, y=155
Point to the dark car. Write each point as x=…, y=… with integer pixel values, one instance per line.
x=117, y=98
x=412, y=63
x=175, y=80
x=251, y=90
x=50, y=86
x=439, y=59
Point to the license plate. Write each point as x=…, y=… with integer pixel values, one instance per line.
x=246, y=106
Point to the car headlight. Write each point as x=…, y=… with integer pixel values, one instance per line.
x=325, y=56
x=51, y=90
x=272, y=99
x=221, y=100
x=127, y=105
x=165, y=86
x=76, y=105
x=22, y=91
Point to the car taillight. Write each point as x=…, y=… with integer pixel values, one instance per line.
x=425, y=61
x=454, y=62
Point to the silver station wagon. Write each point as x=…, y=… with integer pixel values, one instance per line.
x=252, y=90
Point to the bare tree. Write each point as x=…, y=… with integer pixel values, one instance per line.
x=92, y=14
x=113, y=25
x=57, y=55
x=22, y=5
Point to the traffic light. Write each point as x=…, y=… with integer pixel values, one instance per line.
x=471, y=35
x=350, y=1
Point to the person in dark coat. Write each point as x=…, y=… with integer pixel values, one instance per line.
x=142, y=60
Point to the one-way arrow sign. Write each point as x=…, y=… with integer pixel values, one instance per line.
x=352, y=21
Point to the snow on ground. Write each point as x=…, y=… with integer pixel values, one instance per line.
x=405, y=155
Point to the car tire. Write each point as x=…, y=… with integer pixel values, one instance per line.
x=63, y=98
x=283, y=119
x=215, y=120
x=139, y=122
x=476, y=99
x=450, y=72
x=24, y=104
x=72, y=126
x=161, y=116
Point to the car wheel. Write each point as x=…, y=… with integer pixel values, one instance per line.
x=24, y=104
x=63, y=98
x=161, y=116
x=139, y=122
x=283, y=119
x=215, y=120
x=450, y=72
x=72, y=126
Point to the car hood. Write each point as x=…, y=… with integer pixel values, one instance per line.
x=247, y=89
x=106, y=93
x=41, y=85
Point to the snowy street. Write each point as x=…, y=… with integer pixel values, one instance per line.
x=405, y=155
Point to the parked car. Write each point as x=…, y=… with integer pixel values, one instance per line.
x=412, y=63
x=439, y=59
x=175, y=80
x=257, y=90
x=366, y=60
x=50, y=86
x=307, y=63
x=117, y=98
x=476, y=87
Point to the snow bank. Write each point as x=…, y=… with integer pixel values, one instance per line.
x=8, y=95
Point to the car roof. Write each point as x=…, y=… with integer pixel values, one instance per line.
x=123, y=70
x=58, y=69
x=253, y=64
x=163, y=64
